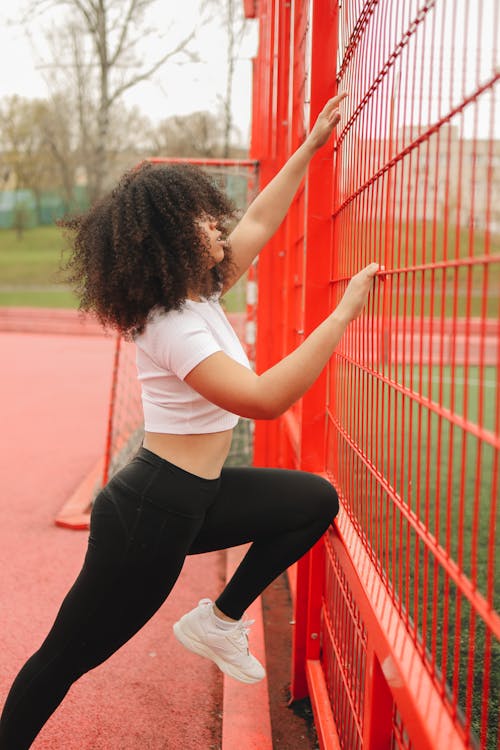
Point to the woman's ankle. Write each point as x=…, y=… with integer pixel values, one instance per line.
x=218, y=613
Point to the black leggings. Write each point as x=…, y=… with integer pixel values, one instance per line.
x=143, y=524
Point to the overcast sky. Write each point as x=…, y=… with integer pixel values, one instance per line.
x=177, y=89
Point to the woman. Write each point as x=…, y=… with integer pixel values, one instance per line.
x=151, y=260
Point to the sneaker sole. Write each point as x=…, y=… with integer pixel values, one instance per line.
x=192, y=644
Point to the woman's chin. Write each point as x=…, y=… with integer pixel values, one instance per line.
x=215, y=262
x=218, y=258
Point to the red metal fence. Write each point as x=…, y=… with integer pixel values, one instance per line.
x=397, y=625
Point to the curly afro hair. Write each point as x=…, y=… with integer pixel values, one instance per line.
x=140, y=248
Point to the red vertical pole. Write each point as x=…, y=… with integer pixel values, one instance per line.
x=273, y=106
x=111, y=412
x=379, y=706
x=318, y=224
x=310, y=570
x=262, y=142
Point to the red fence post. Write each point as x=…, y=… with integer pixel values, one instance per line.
x=379, y=706
x=268, y=144
x=310, y=570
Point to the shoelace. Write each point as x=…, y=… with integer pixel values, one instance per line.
x=241, y=629
x=241, y=632
x=243, y=626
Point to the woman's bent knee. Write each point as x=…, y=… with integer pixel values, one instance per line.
x=327, y=500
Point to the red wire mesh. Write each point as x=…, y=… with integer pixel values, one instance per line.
x=125, y=420
x=412, y=406
x=418, y=455
x=344, y=640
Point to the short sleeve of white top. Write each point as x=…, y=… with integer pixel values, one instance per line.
x=170, y=346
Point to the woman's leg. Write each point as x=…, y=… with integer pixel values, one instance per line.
x=282, y=512
x=142, y=525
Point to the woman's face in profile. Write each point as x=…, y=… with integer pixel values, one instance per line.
x=213, y=236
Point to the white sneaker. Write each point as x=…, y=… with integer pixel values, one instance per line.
x=198, y=632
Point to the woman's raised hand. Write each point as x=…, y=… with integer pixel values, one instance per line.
x=356, y=294
x=327, y=119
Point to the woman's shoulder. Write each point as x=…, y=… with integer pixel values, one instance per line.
x=174, y=321
x=161, y=317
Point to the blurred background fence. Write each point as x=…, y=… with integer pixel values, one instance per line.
x=396, y=610
x=25, y=209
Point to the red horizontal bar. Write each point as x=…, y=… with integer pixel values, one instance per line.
x=388, y=64
x=475, y=260
x=204, y=162
x=477, y=600
x=361, y=23
x=414, y=144
x=472, y=429
x=419, y=702
x=249, y=8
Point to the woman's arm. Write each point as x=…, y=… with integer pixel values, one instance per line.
x=267, y=211
x=237, y=389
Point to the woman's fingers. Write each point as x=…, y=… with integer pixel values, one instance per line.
x=375, y=270
x=331, y=109
x=372, y=268
x=369, y=271
x=334, y=102
x=328, y=118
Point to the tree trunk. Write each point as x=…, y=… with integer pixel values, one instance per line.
x=104, y=104
x=228, y=116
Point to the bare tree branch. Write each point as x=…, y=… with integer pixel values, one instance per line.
x=115, y=28
x=149, y=72
x=123, y=35
x=84, y=11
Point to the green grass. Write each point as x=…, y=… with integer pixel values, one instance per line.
x=443, y=475
x=29, y=269
x=235, y=299
x=62, y=298
x=406, y=245
x=32, y=260
x=443, y=291
x=470, y=291
x=29, y=272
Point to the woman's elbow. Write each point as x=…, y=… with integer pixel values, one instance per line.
x=268, y=408
x=259, y=411
x=261, y=403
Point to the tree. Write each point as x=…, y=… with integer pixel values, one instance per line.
x=197, y=134
x=59, y=138
x=234, y=24
x=105, y=37
x=24, y=149
x=73, y=84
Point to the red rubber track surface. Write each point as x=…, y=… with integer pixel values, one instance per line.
x=152, y=694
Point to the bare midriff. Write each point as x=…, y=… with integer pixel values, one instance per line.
x=203, y=455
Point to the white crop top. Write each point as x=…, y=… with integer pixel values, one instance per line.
x=170, y=346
